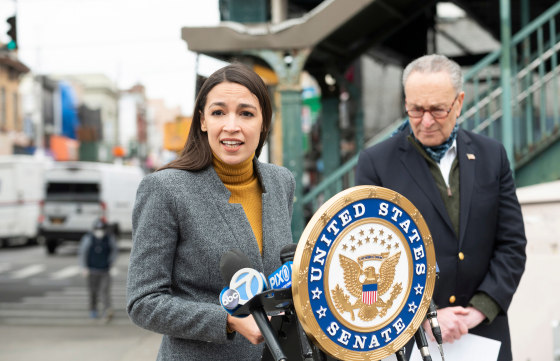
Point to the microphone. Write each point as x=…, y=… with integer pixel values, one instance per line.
x=431, y=315
x=434, y=324
x=401, y=354
x=231, y=262
x=287, y=252
x=244, y=281
x=422, y=344
x=282, y=277
x=248, y=284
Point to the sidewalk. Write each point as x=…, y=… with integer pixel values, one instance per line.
x=85, y=343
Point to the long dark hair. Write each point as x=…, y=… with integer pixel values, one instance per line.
x=197, y=154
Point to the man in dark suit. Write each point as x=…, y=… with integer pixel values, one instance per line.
x=462, y=184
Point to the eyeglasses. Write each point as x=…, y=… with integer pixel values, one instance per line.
x=435, y=113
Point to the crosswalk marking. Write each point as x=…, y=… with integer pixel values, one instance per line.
x=28, y=271
x=66, y=272
x=36, y=290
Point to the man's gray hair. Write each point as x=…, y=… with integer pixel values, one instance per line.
x=435, y=63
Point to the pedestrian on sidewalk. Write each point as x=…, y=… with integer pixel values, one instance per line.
x=98, y=252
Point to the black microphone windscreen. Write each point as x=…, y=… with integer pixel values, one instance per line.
x=287, y=252
x=231, y=262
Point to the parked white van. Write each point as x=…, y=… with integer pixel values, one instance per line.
x=78, y=193
x=21, y=191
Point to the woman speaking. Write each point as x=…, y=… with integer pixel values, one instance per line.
x=216, y=196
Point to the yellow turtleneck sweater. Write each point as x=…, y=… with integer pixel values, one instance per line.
x=241, y=180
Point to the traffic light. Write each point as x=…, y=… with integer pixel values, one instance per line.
x=12, y=45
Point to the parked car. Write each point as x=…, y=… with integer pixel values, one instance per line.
x=78, y=193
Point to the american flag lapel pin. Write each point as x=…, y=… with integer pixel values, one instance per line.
x=470, y=156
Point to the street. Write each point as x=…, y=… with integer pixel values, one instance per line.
x=77, y=343
x=44, y=310
x=50, y=290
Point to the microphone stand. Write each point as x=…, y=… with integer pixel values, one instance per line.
x=306, y=350
x=431, y=316
x=434, y=324
x=422, y=344
x=279, y=300
x=271, y=301
x=401, y=355
x=275, y=301
x=268, y=333
x=309, y=351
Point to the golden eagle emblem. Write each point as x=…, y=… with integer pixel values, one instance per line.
x=356, y=277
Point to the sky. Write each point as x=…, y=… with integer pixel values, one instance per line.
x=129, y=41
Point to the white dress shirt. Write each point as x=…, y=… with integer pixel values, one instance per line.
x=446, y=162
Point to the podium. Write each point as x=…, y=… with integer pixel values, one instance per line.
x=363, y=276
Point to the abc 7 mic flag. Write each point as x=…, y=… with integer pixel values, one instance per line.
x=244, y=285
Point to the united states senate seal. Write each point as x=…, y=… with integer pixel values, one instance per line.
x=364, y=273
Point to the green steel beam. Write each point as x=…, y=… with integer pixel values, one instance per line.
x=527, y=114
x=525, y=13
x=527, y=172
x=544, y=167
x=356, y=95
x=288, y=67
x=505, y=66
x=292, y=151
x=330, y=138
x=349, y=165
x=535, y=24
x=554, y=64
x=516, y=39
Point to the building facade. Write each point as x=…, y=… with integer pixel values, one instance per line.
x=12, y=135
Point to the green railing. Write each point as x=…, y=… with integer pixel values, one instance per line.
x=342, y=178
x=535, y=102
x=534, y=89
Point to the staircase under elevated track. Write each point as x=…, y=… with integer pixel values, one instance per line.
x=529, y=125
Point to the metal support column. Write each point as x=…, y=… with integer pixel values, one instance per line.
x=526, y=113
x=288, y=67
x=356, y=95
x=505, y=66
x=292, y=151
x=330, y=139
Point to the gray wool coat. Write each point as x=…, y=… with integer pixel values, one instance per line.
x=182, y=225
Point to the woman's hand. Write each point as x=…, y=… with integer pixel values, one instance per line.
x=247, y=327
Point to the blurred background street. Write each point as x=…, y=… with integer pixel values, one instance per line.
x=50, y=291
x=44, y=310
x=72, y=343
x=96, y=94
x=44, y=314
